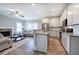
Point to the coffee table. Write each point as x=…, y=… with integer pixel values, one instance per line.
x=18, y=36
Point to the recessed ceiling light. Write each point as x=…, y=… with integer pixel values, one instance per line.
x=53, y=9
x=33, y=4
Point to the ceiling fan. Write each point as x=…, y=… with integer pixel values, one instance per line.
x=16, y=12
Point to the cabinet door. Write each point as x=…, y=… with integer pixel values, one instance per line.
x=63, y=39
x=76, y=14
x=63, y=16
x=42, y=43
x=68, y=41
x=70, y=14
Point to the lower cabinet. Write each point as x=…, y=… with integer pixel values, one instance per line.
x=70, y=43
x=41, y=43
x=65, y=41
x=74, y=45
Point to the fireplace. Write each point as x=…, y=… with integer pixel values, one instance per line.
x=6, y=32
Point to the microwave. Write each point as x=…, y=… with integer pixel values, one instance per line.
x=64, y=23
x=69, y=30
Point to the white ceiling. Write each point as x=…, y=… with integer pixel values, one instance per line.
x=33, y=12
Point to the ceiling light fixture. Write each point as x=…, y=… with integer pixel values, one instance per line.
x=16, y=12
x=16, y=15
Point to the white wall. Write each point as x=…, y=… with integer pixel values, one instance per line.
x=7, y=22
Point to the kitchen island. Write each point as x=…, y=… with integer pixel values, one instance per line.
x=41, y=41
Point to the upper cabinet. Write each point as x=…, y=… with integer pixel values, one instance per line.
x=63, y=17
x=70, y=14
x=76, y=13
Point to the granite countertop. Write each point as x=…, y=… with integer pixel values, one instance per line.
x=42, y=32
x=74, y=35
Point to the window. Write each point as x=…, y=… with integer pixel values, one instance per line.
x=19, y=27
x=35, y=26
x=31, y=26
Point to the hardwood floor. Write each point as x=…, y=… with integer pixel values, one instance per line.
x=55, y=48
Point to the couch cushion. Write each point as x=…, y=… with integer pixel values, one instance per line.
x=3, y=40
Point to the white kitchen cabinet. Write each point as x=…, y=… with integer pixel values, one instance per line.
x=41, y=41
x=70, y=14
x=75, y=13
x=62, y=39
x=63, y=16
x=74, y=45
x=71, y=43
x=65, y=41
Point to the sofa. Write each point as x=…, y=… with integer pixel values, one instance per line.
x=5, y=43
